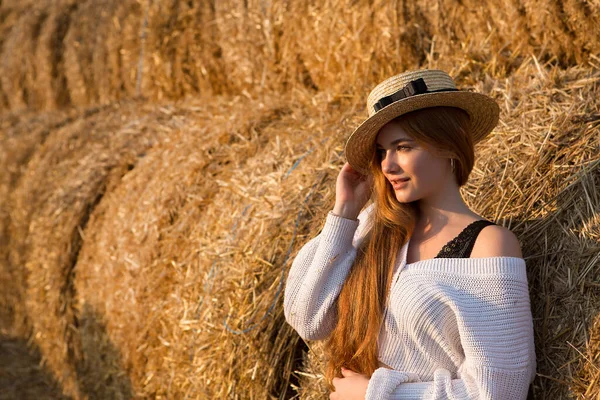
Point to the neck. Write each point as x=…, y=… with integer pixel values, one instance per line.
x=440, y=208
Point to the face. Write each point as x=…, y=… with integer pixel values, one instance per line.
x=403, y=159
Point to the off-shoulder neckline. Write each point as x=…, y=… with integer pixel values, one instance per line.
x=470, y=259
x=468, y=266
x=499, y=258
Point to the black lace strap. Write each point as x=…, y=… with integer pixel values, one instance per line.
x=462, y=245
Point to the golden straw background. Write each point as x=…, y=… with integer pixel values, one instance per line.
x=164, y=160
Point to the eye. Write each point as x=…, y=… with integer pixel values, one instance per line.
x=402, y=147
x=381, y=153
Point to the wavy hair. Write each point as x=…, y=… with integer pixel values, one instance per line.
x=352, y=344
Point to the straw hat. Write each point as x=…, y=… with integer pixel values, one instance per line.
x=411, y=91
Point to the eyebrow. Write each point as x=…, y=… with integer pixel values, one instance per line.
x=397, y=141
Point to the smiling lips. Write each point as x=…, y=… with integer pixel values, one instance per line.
x=398, y=183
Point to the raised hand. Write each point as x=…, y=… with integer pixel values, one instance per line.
x=352, y=191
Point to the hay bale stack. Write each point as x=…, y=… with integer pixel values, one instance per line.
x=198, y=313
x=151, y=243
x=173, y=48
x=50, y=206
x=156, y=238
x=176, y=274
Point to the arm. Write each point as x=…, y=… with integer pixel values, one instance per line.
x=479, y=382
x=496, y=330
x=318, y=273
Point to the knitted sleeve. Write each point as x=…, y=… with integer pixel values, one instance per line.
x=496, y=332
x=318, y=273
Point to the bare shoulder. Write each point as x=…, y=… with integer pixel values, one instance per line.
x=496, y=240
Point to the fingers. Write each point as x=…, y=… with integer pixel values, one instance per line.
x=351, y=170
x=346, y=373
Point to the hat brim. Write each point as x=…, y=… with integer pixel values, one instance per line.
x=483, y=113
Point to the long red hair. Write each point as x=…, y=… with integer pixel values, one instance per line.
x=361, y=302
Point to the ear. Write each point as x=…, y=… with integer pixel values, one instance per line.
x=348, y=372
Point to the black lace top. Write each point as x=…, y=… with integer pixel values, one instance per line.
x=462, y=245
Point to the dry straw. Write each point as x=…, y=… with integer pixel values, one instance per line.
x=144, y=243
x=21, y=134
x=17, y=63
x=180, y=336
x=181, y=257
x=50, y=206
x=225, y=47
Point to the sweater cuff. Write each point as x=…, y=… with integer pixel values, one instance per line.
x=384, y=381
x=339, y=229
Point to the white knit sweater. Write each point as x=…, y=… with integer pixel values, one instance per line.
x=454, y=328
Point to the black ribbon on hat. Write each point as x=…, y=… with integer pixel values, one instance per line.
x=414, y=87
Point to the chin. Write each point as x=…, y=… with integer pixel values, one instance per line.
x=404, y=199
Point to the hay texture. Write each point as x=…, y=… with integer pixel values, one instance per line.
x=169, y=49
x=50, y=206
x=21, y=134
x=176, y=278
x=189, y=276
x=587, y=383
x=146, y=242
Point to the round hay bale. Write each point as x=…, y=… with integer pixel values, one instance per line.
x=50, y=207
x=169, y=49
x=21, y=134
x=153, y=240
x=124, y=274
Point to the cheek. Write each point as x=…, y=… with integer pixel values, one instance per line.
x=426, y=169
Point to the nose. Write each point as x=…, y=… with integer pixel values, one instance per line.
x=389, y=163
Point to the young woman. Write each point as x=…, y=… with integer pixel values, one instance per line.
x=417, y=296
